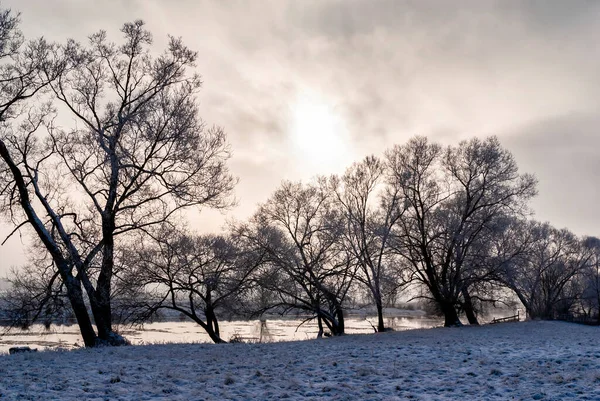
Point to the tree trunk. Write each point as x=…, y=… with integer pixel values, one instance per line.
x=214, y=336
x=212, y=324
x=469, y=309
x=320, y=324
x=335, y=322
x=450, y=316
x=75, y=295
x=340, y=326
x=380, y=323
x=100, y=300
x=101, y=309
x=216, y=326
x=529, y=313
x=102, y=318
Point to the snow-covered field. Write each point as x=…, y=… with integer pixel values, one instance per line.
x=521, y=361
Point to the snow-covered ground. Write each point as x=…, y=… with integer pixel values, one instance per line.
x=521, y=361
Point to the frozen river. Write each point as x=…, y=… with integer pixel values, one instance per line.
x=269, y=330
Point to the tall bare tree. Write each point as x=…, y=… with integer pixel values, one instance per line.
x=306, y=267
x=453, y=197
x=371, y=208
x=137, y=155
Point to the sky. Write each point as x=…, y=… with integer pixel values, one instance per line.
x=307, y=87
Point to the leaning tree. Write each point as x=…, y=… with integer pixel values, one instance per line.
x=135, y=155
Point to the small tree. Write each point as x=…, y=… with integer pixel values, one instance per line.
x=36, y=293
x=306, y=268
x=197, y=276
x=543, y=273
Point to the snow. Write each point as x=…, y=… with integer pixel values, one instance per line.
x=527, y=360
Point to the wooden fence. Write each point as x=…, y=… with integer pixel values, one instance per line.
x=580, y=318
x=514, y=318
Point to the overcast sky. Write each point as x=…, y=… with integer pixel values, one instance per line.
x=355, y=77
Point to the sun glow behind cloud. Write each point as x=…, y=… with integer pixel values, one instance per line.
x=308, y=87
x=318, y=134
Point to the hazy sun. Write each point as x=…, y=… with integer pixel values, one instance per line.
x=318, y=133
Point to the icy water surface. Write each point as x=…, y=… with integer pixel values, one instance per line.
x=269, y=330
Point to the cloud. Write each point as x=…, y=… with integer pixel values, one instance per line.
x=563, y=153
x=391, y=69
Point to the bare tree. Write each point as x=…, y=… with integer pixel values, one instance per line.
x=371, y=209
x=194, y=275
x=26, y=70
x=35, y=294
x=590, y=280
x=488, y=256
x=453, y=197
x=542, y=276
x=137, y=155
x=306, y=268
